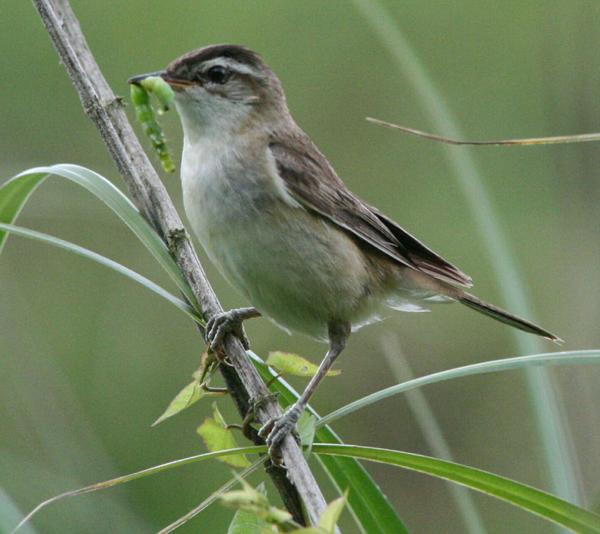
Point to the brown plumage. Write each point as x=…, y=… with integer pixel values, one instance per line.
x=279, y=223
x=313, y=182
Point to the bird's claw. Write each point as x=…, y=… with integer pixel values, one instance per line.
x=276, y=430
x=222, y=324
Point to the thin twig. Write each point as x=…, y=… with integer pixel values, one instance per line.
x=526, y=141
x=151, y=198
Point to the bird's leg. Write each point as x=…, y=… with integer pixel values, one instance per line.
x=223, y=323
x=275, y=430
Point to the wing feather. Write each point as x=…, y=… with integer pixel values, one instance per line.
x=311, y=180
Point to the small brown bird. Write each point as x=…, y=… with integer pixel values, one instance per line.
x=282, y=227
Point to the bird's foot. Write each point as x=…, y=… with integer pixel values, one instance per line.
x=276, y=430
x=222, y=324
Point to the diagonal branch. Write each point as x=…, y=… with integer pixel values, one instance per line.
x=148, y=193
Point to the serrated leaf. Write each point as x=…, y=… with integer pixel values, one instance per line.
x=217, y=437
x=189, y=395
x=292, y=364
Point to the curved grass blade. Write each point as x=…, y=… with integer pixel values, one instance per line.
x=560, y=460
x=121, y=269
x=15, y=193
x=526, y=141
x=526, y=497
x=432, y=431
x=141, y=474
x=13, y=196
x=493, y=366
x=370, y=509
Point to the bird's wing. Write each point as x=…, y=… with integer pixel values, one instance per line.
x=311, y=180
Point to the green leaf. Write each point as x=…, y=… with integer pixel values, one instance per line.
x=531, y=499
x=306, y=430
x=218, y=437
x=328, y=519
x=245, y=522
x=121, y=269
x=332, y=513
x=493, y=366
x=15, y=193
x=369, y=507
x=189, y=395
x=255, y=502
x=292, y=364
x=195, y=390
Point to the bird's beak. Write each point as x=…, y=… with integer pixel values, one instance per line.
x=173, y=82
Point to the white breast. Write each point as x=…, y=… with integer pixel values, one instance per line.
x=294, y=267
x=235, y=200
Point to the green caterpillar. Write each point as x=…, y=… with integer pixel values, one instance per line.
x=144, y=112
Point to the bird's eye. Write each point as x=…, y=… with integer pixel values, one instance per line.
x=218, y=74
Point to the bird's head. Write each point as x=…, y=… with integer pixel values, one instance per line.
x=222, y=89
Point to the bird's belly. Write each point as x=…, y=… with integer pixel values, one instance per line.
x=293, y=266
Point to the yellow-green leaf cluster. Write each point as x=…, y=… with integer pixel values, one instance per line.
x=189, y=395
x=255, y=502
x=292, y=364
x=218, y=437
x=194, y=391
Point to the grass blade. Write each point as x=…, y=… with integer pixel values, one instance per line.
x=211, y=498
x=141, y=474
x=492, y=366
x=529, y=141
x=15, y=193
x=559, y=458
x=531, y=499
x=433, y=433
x=13, y=196
x=121, y=269
x=368, y=505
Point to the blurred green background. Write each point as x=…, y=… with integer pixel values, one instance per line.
x=88, y=359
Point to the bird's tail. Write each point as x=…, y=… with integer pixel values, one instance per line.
x=505, y=317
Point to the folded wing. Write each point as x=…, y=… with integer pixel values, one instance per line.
x=311, y=180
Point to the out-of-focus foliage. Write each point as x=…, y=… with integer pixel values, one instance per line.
x=88, y=360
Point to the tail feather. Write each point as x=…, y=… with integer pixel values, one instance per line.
x=505, y=317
